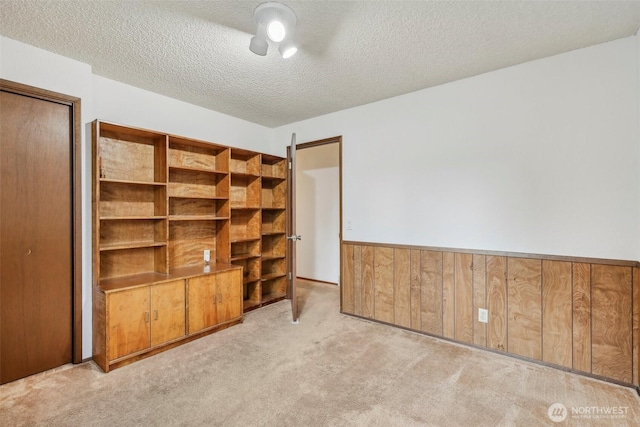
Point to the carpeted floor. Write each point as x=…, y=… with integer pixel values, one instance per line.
x=330, y=369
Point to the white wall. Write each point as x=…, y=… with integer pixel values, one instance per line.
x=318, y=212
x=539, y=158
x=124, y=104
x=116, y=102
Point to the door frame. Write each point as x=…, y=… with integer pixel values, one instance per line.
x=76, y=197
x=317, y=143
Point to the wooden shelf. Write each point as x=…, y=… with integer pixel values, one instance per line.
x=131, y=218
x=197, y=218
x=197, y=169
x=266, y=258
x=196, y=196
x=127, y=182
x=272, y=233
x=131, y=281
x=250, y=280
x=249, y=239
x=245, y=175
x=243, y=256
x=272, y=276
x=273, y=208
x=130, y=245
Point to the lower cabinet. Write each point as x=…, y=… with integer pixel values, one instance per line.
x=214, y=299
x=145, y=317
x=132, y=321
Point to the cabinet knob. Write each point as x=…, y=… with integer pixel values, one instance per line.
x=155, y=314
x=214, y=299
x=146, y=317
x=219, y=298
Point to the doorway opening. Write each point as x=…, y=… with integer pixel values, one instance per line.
x=318, y=205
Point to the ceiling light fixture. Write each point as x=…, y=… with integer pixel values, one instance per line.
x=276, y=22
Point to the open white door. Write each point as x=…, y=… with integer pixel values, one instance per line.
x=292, y=237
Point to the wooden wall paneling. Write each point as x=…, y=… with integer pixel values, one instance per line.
x=357, y=280
x=479, y=298
x=611, y=335
x=367, y=281
x=448, y=295
x=402, y=287
x=415, y=290
x=131, y=160
x=463, y=297
x=582, y=316
x=383, y=284
x=557, y=330
x=188, y=240
x=431, y=292
x=524, y=321
x=347, y=279
x=497, y=302
x=636, y=326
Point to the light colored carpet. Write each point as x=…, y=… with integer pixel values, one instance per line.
x=330, y=369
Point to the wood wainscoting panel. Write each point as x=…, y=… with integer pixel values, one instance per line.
x=383, y=284
x=524, y=320
x=416, y=302
x=367, y=281
x=448, y=295
x=464, y=297
x=582, y=316
x=431, y=291
x=611, y=336
x=497, y=302
x=347, y=279
x=357, y=280
x=577, y=313
x=402, y=287
x=479, y=298
x=636, y=325
x=557, y=313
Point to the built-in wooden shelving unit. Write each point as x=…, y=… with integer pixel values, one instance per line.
x=159, y=202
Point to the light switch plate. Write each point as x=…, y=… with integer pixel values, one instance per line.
x=483, y=315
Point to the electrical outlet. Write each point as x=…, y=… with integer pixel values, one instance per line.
x=483, y=315
x=207, y=256
x=349, y=225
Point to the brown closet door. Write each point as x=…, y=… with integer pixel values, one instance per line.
x=35, y=236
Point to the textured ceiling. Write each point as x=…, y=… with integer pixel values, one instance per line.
x=352, y=52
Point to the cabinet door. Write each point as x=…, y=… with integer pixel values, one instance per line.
x=167, y=312
x=128, y=322
x=202, y=303
x=229, y=288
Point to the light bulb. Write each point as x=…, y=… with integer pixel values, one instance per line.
x=289, y=52
x=276, y=31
